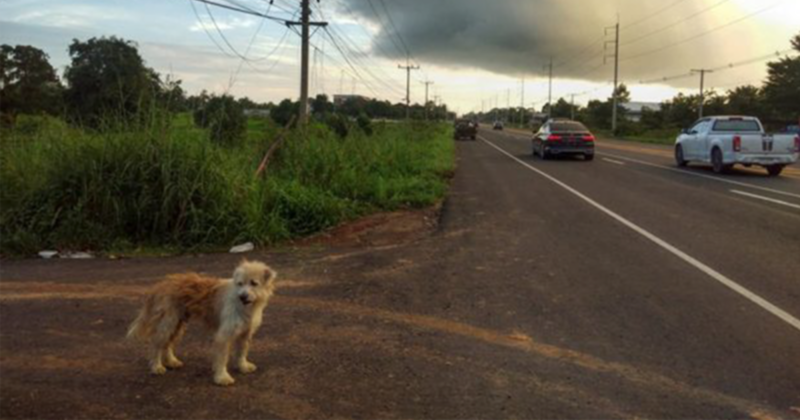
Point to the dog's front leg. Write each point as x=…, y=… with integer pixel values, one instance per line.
x=222, y=351
x=244, y=347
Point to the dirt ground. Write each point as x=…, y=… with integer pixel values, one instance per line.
x=471, y=310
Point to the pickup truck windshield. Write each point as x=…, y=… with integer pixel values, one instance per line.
x=737, y=126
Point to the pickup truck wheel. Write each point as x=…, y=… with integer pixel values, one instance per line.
x=679, y=159
x=775, y=170
x=718, y=164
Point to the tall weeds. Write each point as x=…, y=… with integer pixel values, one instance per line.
x=164, y=184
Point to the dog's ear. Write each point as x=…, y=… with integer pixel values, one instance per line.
x=270, y=275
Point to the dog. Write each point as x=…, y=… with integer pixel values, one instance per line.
x=231, y=308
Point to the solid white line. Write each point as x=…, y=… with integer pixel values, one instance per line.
x=758, y=300
x=771, y=200
x=616, y=162
x=687, y=172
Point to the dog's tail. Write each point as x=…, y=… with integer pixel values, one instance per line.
x=144, y=324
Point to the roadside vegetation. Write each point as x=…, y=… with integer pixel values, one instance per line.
x=148, y=172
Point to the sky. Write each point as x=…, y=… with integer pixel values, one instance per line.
x=478, y=54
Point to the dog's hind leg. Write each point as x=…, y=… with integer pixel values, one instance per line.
x=243, y=342
x=222, y=352
x=171, y=361
x=160, y=342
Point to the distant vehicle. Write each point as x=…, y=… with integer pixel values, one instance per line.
x=795, y=129
x=466, y=129
x=563, y=137
x=498, y=125
x=726, y=141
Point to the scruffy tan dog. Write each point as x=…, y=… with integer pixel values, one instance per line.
x=232, y=308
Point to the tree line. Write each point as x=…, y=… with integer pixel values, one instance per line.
x=776, y=103
x=108, y=82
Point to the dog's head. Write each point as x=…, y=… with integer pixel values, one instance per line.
x=253, y=281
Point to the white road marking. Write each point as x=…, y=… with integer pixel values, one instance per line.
x=687, y=172
x=616, y=162
x=771, y=200
x=758, y=300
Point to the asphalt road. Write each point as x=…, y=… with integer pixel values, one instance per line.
x=618, y=288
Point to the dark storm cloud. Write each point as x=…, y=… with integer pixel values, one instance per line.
x=515, y=37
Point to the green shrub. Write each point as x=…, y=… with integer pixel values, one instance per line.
x=224, y=118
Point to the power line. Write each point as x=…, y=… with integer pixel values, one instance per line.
x=241, y=10
x=702, y=34
x=720, y=68
x=384, y=29
x=645, y=19
x=347, y=60
x=674, y=24
x=396, y=32
x=361, y=57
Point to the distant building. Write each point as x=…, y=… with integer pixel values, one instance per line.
x=256, y=113
x=635, y=109
x=338, y=100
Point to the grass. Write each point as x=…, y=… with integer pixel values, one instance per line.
x=662, y=136
x=166, y=186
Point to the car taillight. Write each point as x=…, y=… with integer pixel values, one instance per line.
x=553, y=137
x=737, y=143
x=797, y=143
x=588, y=137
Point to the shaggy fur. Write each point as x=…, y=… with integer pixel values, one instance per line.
x=231, y=308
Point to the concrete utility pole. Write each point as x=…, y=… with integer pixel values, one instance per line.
x=508, y=106
x=702, y=87
x=305, y=24
x=408, y=68
x=427, y=107
x=615, y=95
x=550, y=91
x=522, y=103
x=572, y=108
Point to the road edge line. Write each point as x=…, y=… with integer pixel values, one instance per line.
x=771, y=200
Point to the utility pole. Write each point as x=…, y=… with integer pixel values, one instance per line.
x=408, y=68
x=615, y=96
x=508, y=106
x=550, y=91
x=522, y=103
x=427, y=107
x=702, y=87
x=572, y=107
x=305, y=24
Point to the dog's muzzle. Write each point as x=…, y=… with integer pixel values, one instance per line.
x=245, y=299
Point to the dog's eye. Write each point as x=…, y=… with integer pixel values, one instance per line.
x=253, y=283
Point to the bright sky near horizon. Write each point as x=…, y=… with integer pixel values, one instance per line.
x=476, y=52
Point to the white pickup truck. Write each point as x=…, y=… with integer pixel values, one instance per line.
x=726, y=141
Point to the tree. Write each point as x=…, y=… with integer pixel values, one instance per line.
x=108, y=78
x=321, y=105
x=562, y=109
x=28, y=83
x=746, y=100
x=681, y=111
x=284, y=112
x=224, y=117
x=782, y=88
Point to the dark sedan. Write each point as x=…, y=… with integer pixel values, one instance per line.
x=563, y=137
